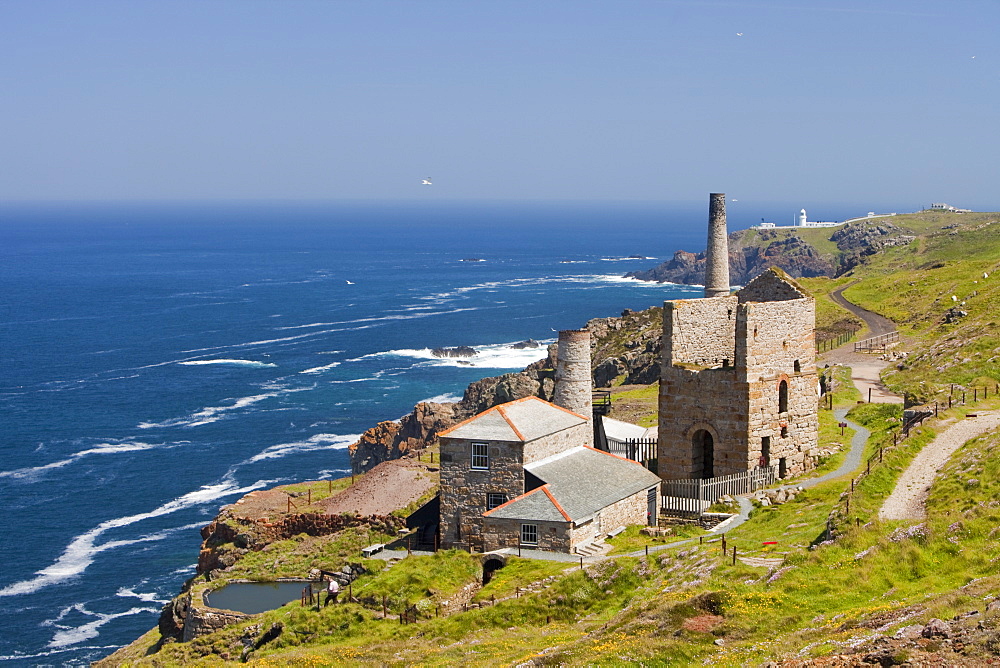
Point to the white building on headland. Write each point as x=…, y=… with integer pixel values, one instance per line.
x=800, y=220
x=941, y=206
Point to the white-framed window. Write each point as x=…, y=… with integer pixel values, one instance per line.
x=529, y=534
x=480, y=456
x=494, y=499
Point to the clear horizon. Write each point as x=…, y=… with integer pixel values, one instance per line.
x=590, y=101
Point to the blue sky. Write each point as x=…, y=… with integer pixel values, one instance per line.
x=618, y=100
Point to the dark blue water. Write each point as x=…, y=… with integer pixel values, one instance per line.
x=159, y=361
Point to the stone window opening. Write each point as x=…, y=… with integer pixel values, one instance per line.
x=797, y=366
x=480, y=456
x=765, y=451
x=494, y=499
x=755, y=332
x=783, y=396
x=529, y=534
x=784, y=432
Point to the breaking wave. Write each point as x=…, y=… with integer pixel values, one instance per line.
x=246, y=363
x=82, y=550
x=101, y=449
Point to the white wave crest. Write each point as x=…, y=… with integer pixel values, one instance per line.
x=311, y=444
x=321, y=369
x=71, y=635
x=246, y=363
x=443, y=399
x=146, y=597
x=101, y=449
x=210, y=414
x=80, y=552
x=494, y=356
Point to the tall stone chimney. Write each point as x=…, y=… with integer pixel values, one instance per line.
x=573, y=390
x=717, y=251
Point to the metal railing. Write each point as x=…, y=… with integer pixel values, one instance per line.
x=636, y=449
x=876, y=344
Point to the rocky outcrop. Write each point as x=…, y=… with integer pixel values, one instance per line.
x=457, y=351
x=792, y=254
x=228, y=537
x=753, y=251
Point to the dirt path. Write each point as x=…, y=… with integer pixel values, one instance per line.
x=866, y=370
x=908, y=499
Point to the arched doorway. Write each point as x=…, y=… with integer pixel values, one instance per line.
x=490, y=566
x=703, y=447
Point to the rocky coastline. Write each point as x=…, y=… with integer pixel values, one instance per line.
x=752, y=251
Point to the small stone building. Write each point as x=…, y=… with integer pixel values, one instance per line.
x=523, y=474
x=738, y=382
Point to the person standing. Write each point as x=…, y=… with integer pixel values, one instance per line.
x=332, y=591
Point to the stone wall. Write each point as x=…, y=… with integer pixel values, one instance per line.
x=699, y=331
x=464, y=489
x=627, y=512
x=201, y=621
x=500, y=533
x=551, y=444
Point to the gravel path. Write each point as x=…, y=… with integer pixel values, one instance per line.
x=908, y=499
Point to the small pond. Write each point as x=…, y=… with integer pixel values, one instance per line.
x=255, y=597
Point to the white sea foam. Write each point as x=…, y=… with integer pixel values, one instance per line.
x=101, y=449
x=624, y=259
x=311, y=444
x=145, y=597
x=321, y=369
x=495, y=356
x=442, y=399
x=71, y=635
x=247, y=363
x=82, y=550
x=211, y=413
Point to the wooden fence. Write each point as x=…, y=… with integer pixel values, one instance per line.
x=687, y=498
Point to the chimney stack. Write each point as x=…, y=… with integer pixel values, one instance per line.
x=717, y=251
x=573, y=390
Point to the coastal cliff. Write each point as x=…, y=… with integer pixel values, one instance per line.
x=754, y=250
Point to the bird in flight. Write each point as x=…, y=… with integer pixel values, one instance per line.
x=426, y=182
x=739, y=34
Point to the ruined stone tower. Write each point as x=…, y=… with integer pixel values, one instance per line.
x=717, y=251
x=573, y=389
x=738, y=383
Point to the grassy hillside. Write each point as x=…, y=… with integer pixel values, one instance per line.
x=803, y=592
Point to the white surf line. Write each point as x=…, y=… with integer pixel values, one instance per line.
x=70, y=635
x=311, y=444
x=211, y=414
x=102, y=449
x=82, y=550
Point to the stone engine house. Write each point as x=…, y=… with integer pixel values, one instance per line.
x=738, y=381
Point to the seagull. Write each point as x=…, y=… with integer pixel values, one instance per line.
x=426, y=182
x=739, y=34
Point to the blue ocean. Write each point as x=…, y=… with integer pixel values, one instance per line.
x=160, y=360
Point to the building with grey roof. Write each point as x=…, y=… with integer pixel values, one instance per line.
x=523, y=474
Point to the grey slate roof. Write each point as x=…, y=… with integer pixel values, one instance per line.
x=523, y=420
x=582, y=481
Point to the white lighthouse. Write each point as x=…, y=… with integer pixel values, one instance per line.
x=802, y=219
